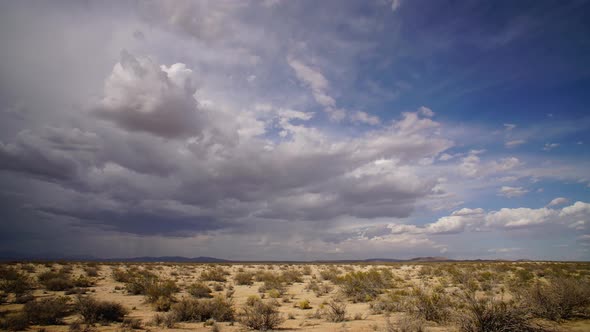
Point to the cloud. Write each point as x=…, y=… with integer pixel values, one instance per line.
x=314, y=79
x=550, y=146
x=558, y=201
x=509, y=126
x=514, y=143
x=139, y=95
x=363, y=117
x=395, y=4
x=475, y=220
x=510, y=192
x=319, y=86
x=425, y=111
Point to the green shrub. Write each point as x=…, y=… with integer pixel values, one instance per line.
x=47, y=311
x=157, y=289
x=55, y=281
x=364, y=286
x=199, y=290
x=13, y=281
x=214, y=274
x=330, y=274
x=388, y=303
x=261, y=316
x=319, y=288
x=94, y=311
x=244, y=278
x=304, y=305
x=291, y=276
x=431, y=305
x=200, y=310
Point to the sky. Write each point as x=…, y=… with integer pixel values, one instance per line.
x=295, y=130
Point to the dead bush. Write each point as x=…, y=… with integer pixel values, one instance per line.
x=335, y=311
x=559, y=299
x=261, y=316
x=487, y=315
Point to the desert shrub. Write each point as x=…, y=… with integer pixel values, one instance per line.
x=272, y=281
x=306, y=270
x=200, y=310
x=319, y=288
x=137, y=282
x=82, y=282
x=430, y=305
x=244, y=278
x=330, y=274
x=388, y=303
x=55, y=281
x=94, y=311
x=121, y=275
x=291, y=276
x=158, y=289
x=24, y=298
x=252, y=299
x=335, y=311
x=165, y=320
x=47, y=311
x=407, y=324
x=487, y=315
x=199, y=290
x=132, y=323
x=214, y=274
x=16, y=321
x=91, y=271
x=559, y=298
x=304, y=305
x=364, y=286
x=30, y=268
x=261, y=316
x=14, y=281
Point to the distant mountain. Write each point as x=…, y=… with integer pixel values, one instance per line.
x=171, y=259
x=430, y=259
x=11, y=256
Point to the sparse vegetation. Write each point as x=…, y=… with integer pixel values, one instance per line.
x=365, y=286
x=261, y=316
x=94, y=311
x=47, y=311
x=200, y=310
x=469, y=297
x=199, y=291
x=559, y=299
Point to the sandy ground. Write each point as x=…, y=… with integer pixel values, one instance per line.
x=360, y=317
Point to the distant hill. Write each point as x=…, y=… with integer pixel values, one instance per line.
x=172, y=259
x=11, y=256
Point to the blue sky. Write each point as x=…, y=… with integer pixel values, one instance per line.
x=295, y=129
